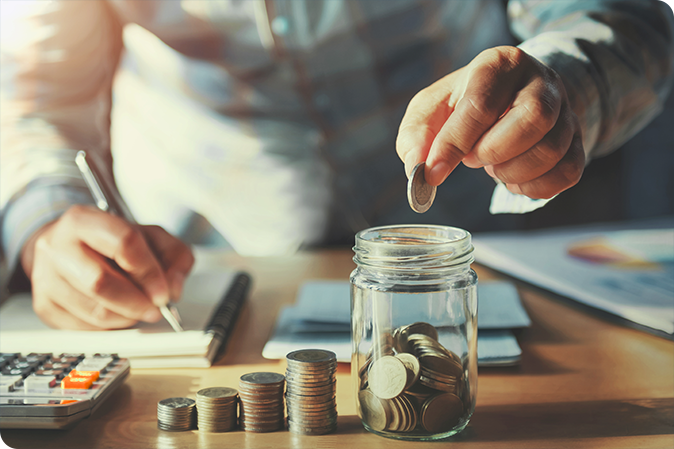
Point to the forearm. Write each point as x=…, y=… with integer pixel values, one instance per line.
x=615, y=59
x=55, y=101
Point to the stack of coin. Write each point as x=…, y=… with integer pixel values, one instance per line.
x=216, y=409
x=261, y=396
x=176, y=414
x=409, y=382
x=310, y=395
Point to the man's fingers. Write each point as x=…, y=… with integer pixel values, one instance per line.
x=118, y=240
x=424, y=117
x=542, y=157
x=174, y=255
x=93, y=276
x=490, y=82
x=565, y=174
x=58, y=317
x=86, y=309
x=533, y=113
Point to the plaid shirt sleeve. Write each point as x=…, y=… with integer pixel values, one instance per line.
x=55, y=99
x=615, y=58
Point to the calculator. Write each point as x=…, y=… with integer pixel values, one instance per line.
x=48, y=391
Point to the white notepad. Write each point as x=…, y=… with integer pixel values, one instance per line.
x=147, y=345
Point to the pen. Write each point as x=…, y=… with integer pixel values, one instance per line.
x=107, y=201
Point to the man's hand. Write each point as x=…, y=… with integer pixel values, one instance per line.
x=75, y=286
x=506, y=112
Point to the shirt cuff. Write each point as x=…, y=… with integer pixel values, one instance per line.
x=37, y=206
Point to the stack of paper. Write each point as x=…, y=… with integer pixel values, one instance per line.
x=321, y=318
x=626, y=269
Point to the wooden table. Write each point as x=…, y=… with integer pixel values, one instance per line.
x=583, y=381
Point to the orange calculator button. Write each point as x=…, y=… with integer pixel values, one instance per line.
x=80, y=383
x=93, y=374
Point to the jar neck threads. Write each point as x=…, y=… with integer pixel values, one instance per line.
x=427, y=250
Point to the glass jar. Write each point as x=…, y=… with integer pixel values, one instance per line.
x=414, y=330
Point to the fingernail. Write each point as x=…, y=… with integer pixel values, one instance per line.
x=438, y=172
x=514, y=188
x=490, y=170
x=159, y=293
x=471, y=161
x=152, y=315
x=409, y=166
x=177, y=285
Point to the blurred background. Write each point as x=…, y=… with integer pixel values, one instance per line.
x=634, y=182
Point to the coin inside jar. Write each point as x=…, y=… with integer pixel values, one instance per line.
x=413, y=368
x=420, y=194
x=387, y=377
x=375, y=414
x=442, y=412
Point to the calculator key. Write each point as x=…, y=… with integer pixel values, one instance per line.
x=23, y=363
x=104, y=355
x=8, y=383
x=69, y=360
x=76, y=355
x=58, y=373
x=92, y=374
x=23, y=372
x=50, y=365
x=38, y=382
x=79, y=383
x=94, y=363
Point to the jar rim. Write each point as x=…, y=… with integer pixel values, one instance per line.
x=441, y=234
x=413, y=244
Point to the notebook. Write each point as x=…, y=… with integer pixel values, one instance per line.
x=209, y=307
x=321, y=318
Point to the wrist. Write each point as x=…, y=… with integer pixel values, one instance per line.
x=27, y=256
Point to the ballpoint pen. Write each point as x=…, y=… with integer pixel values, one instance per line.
x=107, y=201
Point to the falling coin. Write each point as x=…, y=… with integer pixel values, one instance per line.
x=420, y=194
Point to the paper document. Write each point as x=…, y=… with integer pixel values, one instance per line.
x=321, y=318
x=622, y=269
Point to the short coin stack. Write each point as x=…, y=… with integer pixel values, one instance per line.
x=310, y=395
x=261, y=397
x=176, y=414
x=216, y=409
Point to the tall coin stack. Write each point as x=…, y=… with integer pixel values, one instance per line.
x=176, y=414
x=216, y=409
x=261, y=396
x=310, y=393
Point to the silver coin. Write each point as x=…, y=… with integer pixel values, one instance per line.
x=311, y=356
x=262, y=378
x=305, y=430
x=310, y=378
x=223, y=393
x=177, y=402
x=420, y=194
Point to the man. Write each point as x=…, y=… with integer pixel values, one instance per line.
x=277, y=120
